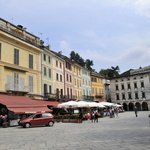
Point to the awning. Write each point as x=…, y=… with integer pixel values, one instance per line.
x=29, y=110
x=49, y=103
x=23, y=104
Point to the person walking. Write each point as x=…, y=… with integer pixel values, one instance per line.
x=92, y=116
x=88, y=115
x=116, y=111
x=96, y=117
x=135, y=110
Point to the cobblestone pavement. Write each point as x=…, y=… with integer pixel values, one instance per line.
x=124, y=133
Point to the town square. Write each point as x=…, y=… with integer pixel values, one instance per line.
x=74, y=75
x=124, y=133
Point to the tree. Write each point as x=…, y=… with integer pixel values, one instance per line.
x=77, y=57
x=110, y=72
x=72, y=55
x=115, y=70
x=79, y=60
x=89, y=63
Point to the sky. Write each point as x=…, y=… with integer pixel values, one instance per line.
x=108, y=32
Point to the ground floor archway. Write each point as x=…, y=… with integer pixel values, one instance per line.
x=125, y=106
x=144, y=106
x=131, y=106
x=138, y=105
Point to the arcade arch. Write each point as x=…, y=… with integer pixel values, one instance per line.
x=144, y=106
x=131, y=106
x=125, y=107
x=138, y=105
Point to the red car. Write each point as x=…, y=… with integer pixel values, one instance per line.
x=38, y=119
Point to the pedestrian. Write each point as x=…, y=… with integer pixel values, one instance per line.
x=92, y=116
x=135, y=110
x=113, y=113
x=110, y=113
x=116, y=111
x=96, y=117
x=88, y=116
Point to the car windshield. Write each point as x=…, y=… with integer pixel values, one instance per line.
x=31, y=116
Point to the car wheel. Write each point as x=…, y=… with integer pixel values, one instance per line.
x=50, y=123
x=27, y=125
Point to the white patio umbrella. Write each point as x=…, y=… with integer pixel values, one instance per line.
x=118, y=105
x=107, y=104
x=100, y=105
x=82, y=104
x=68, y=104
x=93, y=104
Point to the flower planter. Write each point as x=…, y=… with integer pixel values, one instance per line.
x=72, y=120
x=65, y=120
x=58, y=120
x=5, y=124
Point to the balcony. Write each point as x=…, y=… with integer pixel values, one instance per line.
x=16, y=89
x=87, y=98
x=57, y=97
x=98, y=96
x=19, y=32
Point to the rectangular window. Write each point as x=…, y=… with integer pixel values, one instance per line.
x=45, y=89
x=136, y=96
x=57, y=77
x=50, y=89
x=123, y=96
x=67, y=77
x=31, y=84
x=117, y=96
x=61, y=78
x=135, y=85
x=117, y=88
x=142, y=84
x=129, y=95
x=143, y=95
x=94, y=79
x=49, y=73
x=45, y=71
x=16, y=81
x=49, y=59
x=70, y=78
x=44, y=57
x=16, y=56
x=129, y=87
x=56, y=63
x=122, y=86
x=30, y=61
x=0, y=50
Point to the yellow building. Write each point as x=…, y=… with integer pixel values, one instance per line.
x=20, y=60
x=97, y=87
x=77, y=81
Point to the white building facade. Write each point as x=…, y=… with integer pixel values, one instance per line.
x=132, y=88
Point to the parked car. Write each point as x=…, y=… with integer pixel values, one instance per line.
x=38, y=119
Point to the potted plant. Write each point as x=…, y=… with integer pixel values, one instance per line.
x=58, y=118
x=66, y=118
x=75, y=118
x=5, y=124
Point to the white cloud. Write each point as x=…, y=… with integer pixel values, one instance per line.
x=142, y=7
x=64, y=45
